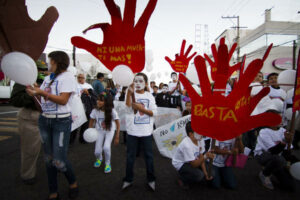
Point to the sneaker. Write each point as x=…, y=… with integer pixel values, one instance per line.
x=266, y=181
x=97, y=163
x=107, y=169
x=126, y=185
x=152, y=185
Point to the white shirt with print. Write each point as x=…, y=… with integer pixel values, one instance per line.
x=64, y=83
x=99, y=116
x=141, y=124
x=187, y=151
x=220, y=159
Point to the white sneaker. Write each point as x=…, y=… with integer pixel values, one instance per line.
x=152, y=185
x=266, y=181
x=126, y=185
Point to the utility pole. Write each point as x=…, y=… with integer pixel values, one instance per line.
x=238, y=33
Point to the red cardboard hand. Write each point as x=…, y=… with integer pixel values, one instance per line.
x=215, y=53
x=123, y=41
x=220, y=117
x=18, y=32
x=181, y=62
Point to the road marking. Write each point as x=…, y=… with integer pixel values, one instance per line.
x=2, y=138
x=9, y=123
x=3, y=113
x=8, y=129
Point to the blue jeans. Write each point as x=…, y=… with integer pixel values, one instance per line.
x=223, y=175
x=146, y=145
x=55, y=135
x=189, y=174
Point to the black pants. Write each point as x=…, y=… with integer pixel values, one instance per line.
x=189, y=174
x=275, y=165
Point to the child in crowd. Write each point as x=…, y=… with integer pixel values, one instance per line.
x=189, y=157
x=139, y=126
x=155, y=91
x=163, y=99
x=222, y=173
x=275, y=90
x=175, y=91
x=107, y=122
x=272, y=151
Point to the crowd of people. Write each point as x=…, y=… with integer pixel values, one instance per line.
x=197, y=158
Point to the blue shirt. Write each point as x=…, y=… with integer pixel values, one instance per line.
x=98, y=87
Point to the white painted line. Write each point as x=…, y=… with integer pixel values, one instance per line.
x=3, y=113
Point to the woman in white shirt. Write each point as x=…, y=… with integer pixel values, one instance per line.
x=55, y=121
x=139, y=125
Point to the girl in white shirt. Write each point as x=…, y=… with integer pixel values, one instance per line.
x=139, y=125
x=55, y=121
x=106, y=120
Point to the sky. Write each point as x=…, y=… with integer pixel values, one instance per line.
x=171, y=22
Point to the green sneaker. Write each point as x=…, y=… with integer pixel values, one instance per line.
x=97, y=163
x=107, y=169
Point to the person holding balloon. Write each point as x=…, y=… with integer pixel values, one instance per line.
x=106, y=120
x=139, y=126
x=55, y=121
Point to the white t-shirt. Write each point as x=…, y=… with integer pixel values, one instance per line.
x=187, y=151
x=172, y=86
x=263, y=104
x=277, y=93
x=64, y=83
x=83, y=86
x=99, y=116
x=140, y=124
x=268, y=138
x=220, y=159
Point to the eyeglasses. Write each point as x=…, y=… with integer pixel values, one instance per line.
x=79, y=77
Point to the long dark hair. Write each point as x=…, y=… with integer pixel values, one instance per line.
x=145, y=79
x=108, y=106
x=62, y=61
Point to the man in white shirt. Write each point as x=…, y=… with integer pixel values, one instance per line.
x=189, y=157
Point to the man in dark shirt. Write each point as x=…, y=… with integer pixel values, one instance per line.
x=97, y=84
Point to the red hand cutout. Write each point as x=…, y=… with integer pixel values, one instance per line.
x=181, y=62
x=220, y=117
x=123, y=41
x=18, y=32
x=215, y=53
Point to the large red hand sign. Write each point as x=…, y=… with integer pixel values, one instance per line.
x=181, y=62
x=221, y=117
x=18, y=32
x=123, y=41
x=213, y=64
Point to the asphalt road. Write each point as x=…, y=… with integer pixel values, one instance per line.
x=94, y=184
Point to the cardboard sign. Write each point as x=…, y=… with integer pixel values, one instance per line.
x=20, y=33
x=166, y=115
x=181, y=62
x=296, y=100
x=220, y=117
x=123, y=41
x=169, y=136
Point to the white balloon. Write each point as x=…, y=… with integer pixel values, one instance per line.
x=287, y=77
x=153, y=77
x=288, y=113
x=149, y=68
x=19, y=67
x=159, y=74
x=166, y=73
x=122, y=75
x=290, y=94
x=295, y=170
x=109, y=76
x=90, y=135
x=149, y=57
x=191, y=74
x=73, y=70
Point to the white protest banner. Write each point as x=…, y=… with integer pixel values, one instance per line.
x=169, y=136
x=78, y=113
x=121, y=109
x=165, y=116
